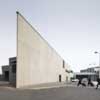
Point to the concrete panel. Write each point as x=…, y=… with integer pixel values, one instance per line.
x=37, y=62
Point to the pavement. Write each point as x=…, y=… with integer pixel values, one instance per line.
x=6, y=85
x=54, y=85
x=47, y=86
x=54, y=91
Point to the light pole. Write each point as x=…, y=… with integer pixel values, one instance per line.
x=99, y=60
x=99, y=56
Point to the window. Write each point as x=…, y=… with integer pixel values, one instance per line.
x=63, y=64
x=14, y=68
x=13, y=62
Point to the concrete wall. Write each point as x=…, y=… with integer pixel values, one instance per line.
x=37, y=62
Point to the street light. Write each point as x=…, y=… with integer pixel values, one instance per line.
x=99, y=60
x=99, y=56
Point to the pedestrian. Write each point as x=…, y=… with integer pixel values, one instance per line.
x=98, y=83
x=79, y=82
x=90, y=82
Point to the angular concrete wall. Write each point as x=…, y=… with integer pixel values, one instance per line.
x=37, y=62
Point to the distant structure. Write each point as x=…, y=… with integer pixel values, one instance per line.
x=36, y=61
x=92, y=73
x=9, y=71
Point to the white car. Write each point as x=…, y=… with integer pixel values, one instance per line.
x=74, y=80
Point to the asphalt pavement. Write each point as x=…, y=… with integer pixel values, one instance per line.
x=59, y=93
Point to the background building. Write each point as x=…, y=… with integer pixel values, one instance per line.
x=9, y=72
x=5, y=73
x=92, y=73
x=12, y=70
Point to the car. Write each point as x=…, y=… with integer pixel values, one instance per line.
x=74, y=80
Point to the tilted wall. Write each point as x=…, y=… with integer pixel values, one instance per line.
x=37, y=62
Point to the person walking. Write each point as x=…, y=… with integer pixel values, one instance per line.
x=90, y=82
x=98, y=83
x=79, y=82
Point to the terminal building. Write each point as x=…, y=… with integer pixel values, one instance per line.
x=36, y=62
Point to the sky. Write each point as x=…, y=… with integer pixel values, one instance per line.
x=71, y=27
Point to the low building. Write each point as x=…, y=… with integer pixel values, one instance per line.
x=9, y=71
x=92, y=73
x=88, y=75
x=5, y=73
x=95, y=70
x=12, y=70
x=92, y=69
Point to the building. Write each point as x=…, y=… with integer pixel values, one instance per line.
x=95, y=70
x=92, y=73
x=5, y=71
x=36, y=61
x=92, y=69
x=9, y=71
x=88, y=75
x=12, y=70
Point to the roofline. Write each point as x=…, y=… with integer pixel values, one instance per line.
x=18, y=13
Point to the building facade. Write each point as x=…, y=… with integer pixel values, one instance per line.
x=9, y=71
x=5, y=73
x=89, y=73
x=37, y=61
x=12, y=71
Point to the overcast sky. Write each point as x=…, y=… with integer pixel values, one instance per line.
x=72, y=27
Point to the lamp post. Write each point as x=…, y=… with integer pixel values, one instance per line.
x=99, y=60
x=99, y=56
